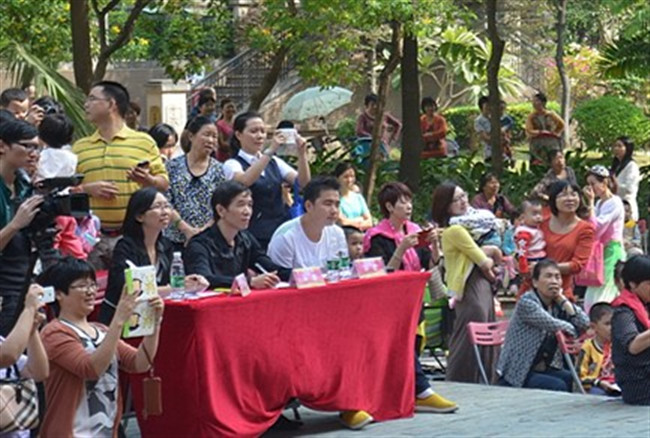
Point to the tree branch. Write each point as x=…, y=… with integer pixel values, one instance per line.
x=122, y=38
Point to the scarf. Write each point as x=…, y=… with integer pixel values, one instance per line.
x=410, y=260
x=632, y=300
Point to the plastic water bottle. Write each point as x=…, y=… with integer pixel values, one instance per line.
x=177, y=277
x=345, y=270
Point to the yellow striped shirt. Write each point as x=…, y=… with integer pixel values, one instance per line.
x=100, y=160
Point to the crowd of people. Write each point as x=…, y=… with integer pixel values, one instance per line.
x=222, y=203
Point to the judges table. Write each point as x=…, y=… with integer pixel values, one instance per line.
x=229, y=364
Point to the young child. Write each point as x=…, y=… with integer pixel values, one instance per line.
x=354, y=238
x=530, y=241
x=484, y=227
x=595, y=364
x=631, y=233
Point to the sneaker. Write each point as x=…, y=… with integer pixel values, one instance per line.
x=355, y=420
x=435, y=403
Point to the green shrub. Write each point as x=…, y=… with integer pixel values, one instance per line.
x=461, y=122
x=602, y=120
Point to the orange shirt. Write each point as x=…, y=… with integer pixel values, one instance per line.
x=573, y=247
x=433, y=133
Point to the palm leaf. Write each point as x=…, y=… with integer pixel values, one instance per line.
x=23, y=63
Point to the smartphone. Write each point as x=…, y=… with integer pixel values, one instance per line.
x=289, y=147
x=48, y=295
x=143, y=164
x=422, y=238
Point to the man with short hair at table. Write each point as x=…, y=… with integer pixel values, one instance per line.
x=227, y=249
x=312, y=239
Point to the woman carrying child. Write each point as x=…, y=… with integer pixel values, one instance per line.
x=469, y=276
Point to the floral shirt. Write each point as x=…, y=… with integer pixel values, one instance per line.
x=190, y=194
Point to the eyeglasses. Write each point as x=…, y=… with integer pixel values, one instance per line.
x=161, y=206
x=91, y=98
x=31, y=147
x=459, y=198
x=89, y=287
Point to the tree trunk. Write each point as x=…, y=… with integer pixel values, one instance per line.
x=494, y=64
x=384, y=82
x=269, y=80
x=560, y=27
x=412, y=143
x=81, y=58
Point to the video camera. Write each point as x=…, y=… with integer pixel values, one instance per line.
x=58, y=203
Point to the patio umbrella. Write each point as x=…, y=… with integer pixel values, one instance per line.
x=315, y=101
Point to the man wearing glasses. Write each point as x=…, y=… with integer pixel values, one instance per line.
x=18, y=150
x=116, y=161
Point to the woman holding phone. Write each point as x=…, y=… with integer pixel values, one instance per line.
x=404, y=246
x=256, y=166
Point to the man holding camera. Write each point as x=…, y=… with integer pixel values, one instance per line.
x=19, y=148
x=116, y=161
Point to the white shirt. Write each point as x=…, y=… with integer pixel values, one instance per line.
x=233, y=166
x=55, y=163
x=291, y=248
x=628, y=186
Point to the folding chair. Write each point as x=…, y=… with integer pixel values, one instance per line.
x=489, y=334
x=570, y=347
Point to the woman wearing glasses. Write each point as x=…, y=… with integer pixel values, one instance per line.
x=83, y=392
x=468, y=276
x=147, y=215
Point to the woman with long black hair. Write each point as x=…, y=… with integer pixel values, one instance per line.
x=147, y=215
x=626, y=171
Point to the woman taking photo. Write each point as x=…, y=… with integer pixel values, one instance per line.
x=489, y=197
x=569, y=239
x=395, y=240
x=256, y=166
x=353, y=210
x=559, y=171
x=192, y=179
x=626, y=172
x=468, y=277
x=142, y=244
x=83, y=392
x=631, y=332
x=608, y=217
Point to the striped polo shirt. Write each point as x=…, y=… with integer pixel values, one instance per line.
x=101, y=160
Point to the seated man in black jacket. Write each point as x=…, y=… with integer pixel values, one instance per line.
x=226, y=249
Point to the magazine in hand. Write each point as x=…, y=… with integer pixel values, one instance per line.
x=141, y=281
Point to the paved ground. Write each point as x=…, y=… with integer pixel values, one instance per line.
x=499, y=412
x=492, y=412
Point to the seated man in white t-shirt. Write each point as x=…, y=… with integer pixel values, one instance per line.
x=313, y=238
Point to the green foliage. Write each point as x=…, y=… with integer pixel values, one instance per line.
x=602, y=120
x=182, y=39
x=461, y=121
x=456, y=58
x=42, y=27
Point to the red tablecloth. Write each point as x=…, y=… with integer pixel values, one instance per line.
x=229, y=364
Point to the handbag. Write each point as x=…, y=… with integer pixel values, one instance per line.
x=152, y=389
x=593, y=273
x=18, y=402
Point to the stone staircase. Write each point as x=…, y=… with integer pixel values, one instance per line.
x=239, y=78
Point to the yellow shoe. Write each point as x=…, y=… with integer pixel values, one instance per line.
x=355, y=420
x=435, y=403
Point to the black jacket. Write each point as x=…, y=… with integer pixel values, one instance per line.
x=128, y=249
x=209, y=254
